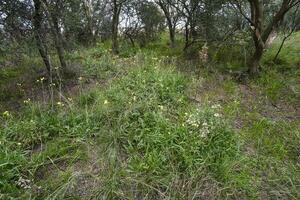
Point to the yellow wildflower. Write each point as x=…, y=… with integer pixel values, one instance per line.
x=60, y=104
x=6, y=114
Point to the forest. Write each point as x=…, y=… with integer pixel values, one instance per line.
x=149, y=99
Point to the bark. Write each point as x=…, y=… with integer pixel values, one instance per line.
x=171, y=23
x=59, y=44
x=88, y=9
x=57, y=35
x=37, y=22
x=115, y=26
x=260, y=34
x=187, y=36
x=254, y=63
x=172, y=34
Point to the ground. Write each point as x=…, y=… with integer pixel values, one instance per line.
x=150, y=124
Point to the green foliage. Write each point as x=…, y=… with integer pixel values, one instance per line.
x=148, y=138
x=144, y=118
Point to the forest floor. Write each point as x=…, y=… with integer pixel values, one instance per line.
x=148, y=124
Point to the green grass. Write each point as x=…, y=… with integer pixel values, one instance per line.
x=146, y=124
x=153, y=137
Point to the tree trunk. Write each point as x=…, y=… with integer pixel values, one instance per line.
x=254, y=63
x=187, y=36
x=115, y=27
x=170, y=23
x=59, y=44
x=172, y=37
x=56, y=33
x=171, y=32
x=37, y=22
x=260, y=34
x=88, y=8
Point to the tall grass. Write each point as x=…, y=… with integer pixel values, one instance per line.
x=157, y=143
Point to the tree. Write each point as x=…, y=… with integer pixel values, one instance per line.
x=261, y=29
x=172, y=17
x=52, y=11
x=187, y=9
x=116, y=9
x=289, y=27
x=37, y=22
x=15, y=16
x=151, y=18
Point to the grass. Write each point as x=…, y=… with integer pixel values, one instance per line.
x=148, y=125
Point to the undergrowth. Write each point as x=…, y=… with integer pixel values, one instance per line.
x=157, y=143
x=140, y=129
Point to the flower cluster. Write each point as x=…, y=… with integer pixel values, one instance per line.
x=23, y=183
x=41, y=80
x=60, y=104
x=27, y=101
x=203, y=121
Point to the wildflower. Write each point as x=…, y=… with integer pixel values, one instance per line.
x=105, y=102
x=161, y=107
x=56, y=68
x=52, y=84
x=6, y=114
x=19, y=144
x=60, y=104
x=203, y=135
x=27, y=101
x=204, y=124
x=216, y=106
x=80, y=78
x=195, y=125
x=42, y=79
x=19, y=84
x=217, y=115
x=134, y=98
x=24, y=183
x=70, y=99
